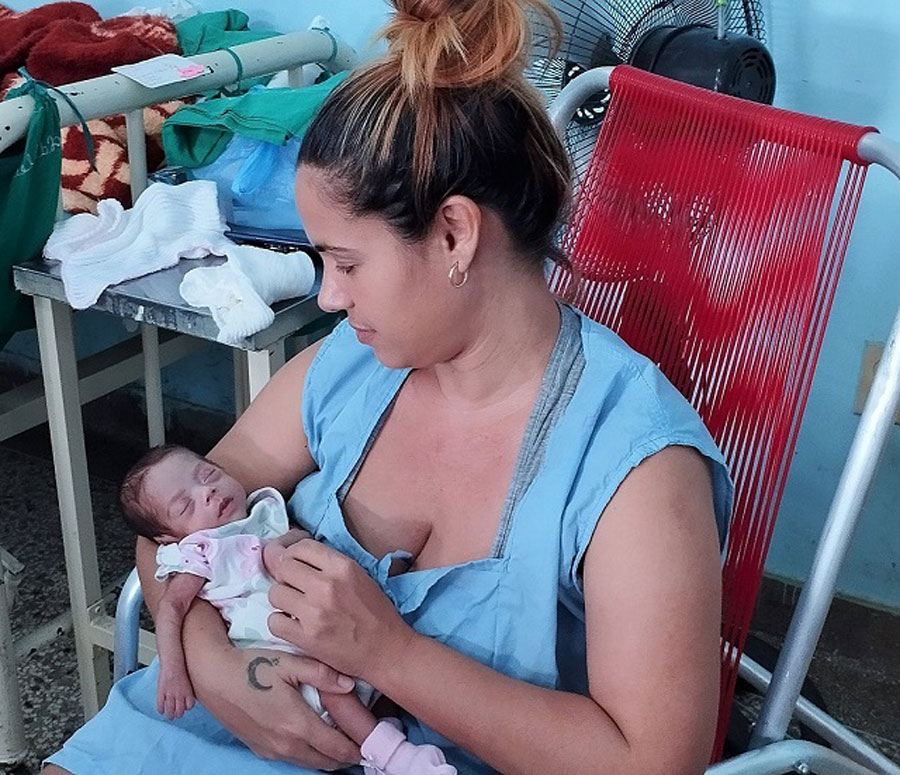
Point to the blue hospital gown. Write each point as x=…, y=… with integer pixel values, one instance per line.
x=602, y=410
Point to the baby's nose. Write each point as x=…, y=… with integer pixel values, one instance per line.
x=210, y=493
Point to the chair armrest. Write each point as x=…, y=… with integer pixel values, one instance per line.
x=127, y=632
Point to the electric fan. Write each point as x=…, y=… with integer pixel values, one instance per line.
x=715, y=44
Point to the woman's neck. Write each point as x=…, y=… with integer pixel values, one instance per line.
x=507, y=351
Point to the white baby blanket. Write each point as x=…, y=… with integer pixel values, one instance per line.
x=168, y=223
x=239, y=292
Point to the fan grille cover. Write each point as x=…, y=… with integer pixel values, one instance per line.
x=600, y=33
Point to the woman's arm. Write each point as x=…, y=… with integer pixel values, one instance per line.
x=253, y=692
x=267, y=446
x=652, y=601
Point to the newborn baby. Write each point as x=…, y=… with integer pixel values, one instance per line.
x=216, y=542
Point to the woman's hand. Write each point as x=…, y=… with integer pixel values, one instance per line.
x=335, y=612
x=273, y=551
x=255, y=694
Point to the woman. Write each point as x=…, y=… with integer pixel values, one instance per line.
x=521, y=519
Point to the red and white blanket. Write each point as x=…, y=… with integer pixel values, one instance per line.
x=65, y=42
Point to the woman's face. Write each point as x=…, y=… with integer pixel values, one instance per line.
x=397, y=296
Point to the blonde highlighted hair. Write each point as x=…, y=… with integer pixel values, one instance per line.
x=447, y=111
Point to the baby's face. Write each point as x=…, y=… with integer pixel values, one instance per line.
x=189, y=494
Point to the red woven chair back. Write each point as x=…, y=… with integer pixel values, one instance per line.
x=709, y=233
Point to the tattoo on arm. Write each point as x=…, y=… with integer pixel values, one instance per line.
x=251, y=672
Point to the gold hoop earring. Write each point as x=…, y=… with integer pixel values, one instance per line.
x=455, y=275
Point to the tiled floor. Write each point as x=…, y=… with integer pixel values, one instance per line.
x=857, y=667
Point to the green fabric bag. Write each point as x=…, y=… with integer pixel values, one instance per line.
x=197, y=134
x=29, y=191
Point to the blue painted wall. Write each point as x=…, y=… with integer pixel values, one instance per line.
x=835, y=59
x=841, y=60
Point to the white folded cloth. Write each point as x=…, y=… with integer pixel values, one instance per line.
x=239, y=292
x=166, y=223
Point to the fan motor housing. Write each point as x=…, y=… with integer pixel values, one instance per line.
x=736, y=64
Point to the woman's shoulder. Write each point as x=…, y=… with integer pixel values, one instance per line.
x=625, y=410
x=620, y=379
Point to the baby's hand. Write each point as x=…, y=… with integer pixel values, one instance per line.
x=272, y=555
x=174, y=694
x=273, y=551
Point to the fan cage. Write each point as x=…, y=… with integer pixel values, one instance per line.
x=623, y=23
x=597, y=33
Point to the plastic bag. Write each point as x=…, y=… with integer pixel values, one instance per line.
x=176, y=10
x=255, y=181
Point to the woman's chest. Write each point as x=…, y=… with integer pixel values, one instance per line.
x=433, y=487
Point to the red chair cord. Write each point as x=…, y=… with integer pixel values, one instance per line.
x=709, y=234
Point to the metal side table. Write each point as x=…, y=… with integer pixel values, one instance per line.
x=154, y=301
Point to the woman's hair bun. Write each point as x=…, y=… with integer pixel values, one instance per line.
x=447, y=112
x=461, y=43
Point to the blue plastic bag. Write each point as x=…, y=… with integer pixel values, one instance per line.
x=255, y=181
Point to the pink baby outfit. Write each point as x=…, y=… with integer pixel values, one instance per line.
x=230, y=557
x=386, y=751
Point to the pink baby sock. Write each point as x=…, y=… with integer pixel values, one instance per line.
x=386, y=751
